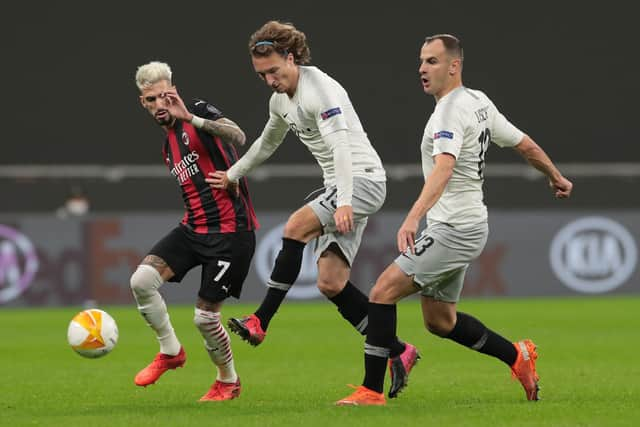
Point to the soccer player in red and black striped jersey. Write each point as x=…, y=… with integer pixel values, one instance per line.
x=216, y=232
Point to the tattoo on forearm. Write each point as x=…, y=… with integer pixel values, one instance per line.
x=155, y=261
x=227, y=130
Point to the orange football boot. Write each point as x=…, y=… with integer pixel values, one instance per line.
x=222, y=391
x=363, y=397
x=524, y=368
x=161, y=364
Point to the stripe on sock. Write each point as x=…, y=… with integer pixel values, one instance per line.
x=373, y=350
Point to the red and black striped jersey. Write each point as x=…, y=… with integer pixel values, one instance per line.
x=191, y=153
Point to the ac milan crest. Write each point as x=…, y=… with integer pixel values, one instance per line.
x=185, y=138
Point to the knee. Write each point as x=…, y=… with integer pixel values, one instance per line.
x=205, y=319
x=386, y=290
x=294, y=228
x=391, y=286
x=329, y=288
x=199, y=320
x=382, y=293
x=440, y=326
x=302, y=226
x=145, y=281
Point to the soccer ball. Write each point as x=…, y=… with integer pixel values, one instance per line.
x=92, y=333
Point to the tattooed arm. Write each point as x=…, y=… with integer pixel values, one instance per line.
x=221, y=127
x=226, y=129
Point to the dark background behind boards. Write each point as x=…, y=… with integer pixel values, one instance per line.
x=565, y=75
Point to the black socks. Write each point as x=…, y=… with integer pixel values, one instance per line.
x=285, y=272
x=380, y=334
x=353, y=305
x=472, y=333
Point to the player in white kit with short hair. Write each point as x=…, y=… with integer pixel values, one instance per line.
x=453, y=149
x=318, y=110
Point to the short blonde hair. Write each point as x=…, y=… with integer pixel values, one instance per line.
x=151, y=73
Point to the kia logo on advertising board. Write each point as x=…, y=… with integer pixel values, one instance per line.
x=18, y=263
x=265, y=257
x=593, y=255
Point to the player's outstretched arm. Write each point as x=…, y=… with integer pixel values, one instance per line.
x=537, y=158
x=260, y=150
x=431, y=192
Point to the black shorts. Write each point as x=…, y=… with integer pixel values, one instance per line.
x=225, y=259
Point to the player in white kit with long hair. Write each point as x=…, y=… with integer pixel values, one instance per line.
x=318, y=110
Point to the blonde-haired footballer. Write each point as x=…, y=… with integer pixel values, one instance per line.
x=216, y=232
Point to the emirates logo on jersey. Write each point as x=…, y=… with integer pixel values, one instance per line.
x=185, y=138
x=186, y=167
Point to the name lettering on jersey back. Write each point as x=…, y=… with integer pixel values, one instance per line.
x=186, y=167
x=482, y=114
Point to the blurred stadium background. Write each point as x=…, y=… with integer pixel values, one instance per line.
x=76, y=127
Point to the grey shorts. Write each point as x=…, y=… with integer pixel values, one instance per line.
x=442, y=255
x=368, y=197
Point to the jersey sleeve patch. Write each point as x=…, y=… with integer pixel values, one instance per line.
x=443, y=134
x=330, y=113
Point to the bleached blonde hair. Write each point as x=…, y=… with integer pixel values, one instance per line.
x=151, y=73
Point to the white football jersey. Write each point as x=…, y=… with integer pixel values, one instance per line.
x=462, y=124
x=320, y=107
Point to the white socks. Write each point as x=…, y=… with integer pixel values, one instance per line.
x=145, y=282
x=217, y=343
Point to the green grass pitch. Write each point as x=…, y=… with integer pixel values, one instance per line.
x=589, y=366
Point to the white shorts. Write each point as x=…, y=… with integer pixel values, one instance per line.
x=368, y=197
x=442, y=255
